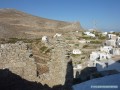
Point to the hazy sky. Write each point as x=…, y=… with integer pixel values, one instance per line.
x=105, y=13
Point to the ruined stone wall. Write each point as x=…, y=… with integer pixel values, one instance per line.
x=60, y=70
x=16, y=58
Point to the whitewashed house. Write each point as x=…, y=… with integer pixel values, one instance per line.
x=104, y=56
x=76, y=51
x=99, y=56
x=118, y=38
x=76, y=31
x=112, y=36
x=45, y=39
x=104, y=33
x=107, y=49
x=57, y=35
x=89, y=34
x=92, y=35
x=94, y=56
x=116, y=51
x=118, y=44
x=78, y=66
x=87, y=41
x=111, y=43
x=82, y=41
x=77, y=70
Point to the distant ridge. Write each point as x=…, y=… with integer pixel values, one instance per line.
x=14, y=23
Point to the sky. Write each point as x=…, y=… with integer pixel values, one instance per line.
x=101, y=14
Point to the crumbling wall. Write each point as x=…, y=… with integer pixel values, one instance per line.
x=60, y=68
x=17, y=58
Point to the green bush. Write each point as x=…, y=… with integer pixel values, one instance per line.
x=96, y=42
x=43, y=48
x=48, y=51
x=75, y=55
x=85, y=46
x=77, y=45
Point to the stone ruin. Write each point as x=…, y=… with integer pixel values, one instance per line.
x=18, y=58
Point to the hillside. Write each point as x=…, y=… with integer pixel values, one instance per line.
x=18, y=24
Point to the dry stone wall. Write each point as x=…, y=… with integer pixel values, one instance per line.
x=16, y=58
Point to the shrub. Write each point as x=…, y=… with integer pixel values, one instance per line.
x=96, y=42
x=48, y=51
x=85, y=46
x=102, y=37
x=75, y=55
x=77, y=45
x=43, y=48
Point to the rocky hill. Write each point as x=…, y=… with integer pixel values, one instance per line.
x=18, y=24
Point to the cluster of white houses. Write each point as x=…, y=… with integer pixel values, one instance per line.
x=102, y=59
x=113, y=40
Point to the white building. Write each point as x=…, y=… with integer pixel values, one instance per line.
x=92, y=35
x=112, y=36
x=82, y=41
x=76, y=51
x=104, y=33
x=89, y=34
x=94, y=56
x=77, y=70
x=116, y=51
x=107, y=49
x=99, y=56
x=104, y=56
x=76, y=31
x=118, y=44
x=44, y=39
x=57, y=35
x=118, y=38
x=111, y=43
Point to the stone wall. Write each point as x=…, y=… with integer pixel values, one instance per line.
x=60, y=68
x=19, y=59
x=16, y=58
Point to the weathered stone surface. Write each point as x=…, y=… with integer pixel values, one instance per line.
x=17, y=58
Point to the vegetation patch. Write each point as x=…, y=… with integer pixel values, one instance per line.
x=85, y=46
x=95, y=42
x=43, y=48
x=14, y=40
x=75, y=55
x=77, y=45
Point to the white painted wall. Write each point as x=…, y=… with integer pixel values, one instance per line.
x=76, y=51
